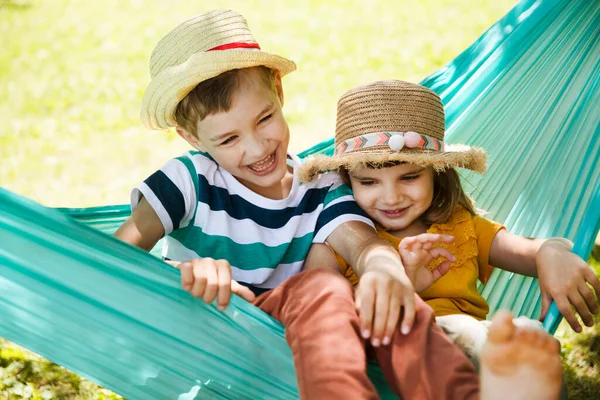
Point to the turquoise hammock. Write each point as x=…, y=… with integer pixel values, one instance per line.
x=528, y=91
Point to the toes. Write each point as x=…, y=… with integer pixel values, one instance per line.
x=531, y=339
x=552, y=344
x=536, y=343
x=502, y=328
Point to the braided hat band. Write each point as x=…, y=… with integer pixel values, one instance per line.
x=392, y=121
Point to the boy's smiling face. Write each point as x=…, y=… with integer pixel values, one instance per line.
x=250, y=141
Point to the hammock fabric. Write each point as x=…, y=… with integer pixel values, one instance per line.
x=527, y=91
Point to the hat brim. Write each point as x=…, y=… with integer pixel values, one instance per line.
x=473, y=158
x=171, y=85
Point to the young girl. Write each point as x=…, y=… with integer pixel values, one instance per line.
x=390, y=149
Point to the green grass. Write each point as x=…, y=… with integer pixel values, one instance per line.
x=74, y=73
x=581, y=353
x=24, y=375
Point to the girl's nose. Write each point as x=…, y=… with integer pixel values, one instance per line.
x=392, y=196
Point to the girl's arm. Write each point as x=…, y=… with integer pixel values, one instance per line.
x=515, y=253
x=563, y=276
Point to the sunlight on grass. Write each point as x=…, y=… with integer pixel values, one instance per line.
x=581, y=355
x=75, y=72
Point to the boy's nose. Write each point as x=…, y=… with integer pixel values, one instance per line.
x=256, y=147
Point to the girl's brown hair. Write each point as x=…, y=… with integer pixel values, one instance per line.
x=448, y=193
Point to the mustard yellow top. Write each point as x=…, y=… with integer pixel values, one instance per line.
x=456, y=292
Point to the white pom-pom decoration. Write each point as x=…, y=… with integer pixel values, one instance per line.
x=396, y=142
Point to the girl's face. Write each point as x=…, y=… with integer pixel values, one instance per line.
x=395, y=197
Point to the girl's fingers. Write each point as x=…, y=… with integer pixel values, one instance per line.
x=424, y=241
x=440, y=270
x=407, y=242
x=546, y=302
x=593, y=280
x=567, y=312
x=442, y=252
x=434, y=238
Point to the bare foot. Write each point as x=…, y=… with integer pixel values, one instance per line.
x=519, y=363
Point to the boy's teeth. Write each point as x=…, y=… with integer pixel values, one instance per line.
x=264, y=164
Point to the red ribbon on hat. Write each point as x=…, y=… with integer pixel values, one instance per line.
x=236, y=45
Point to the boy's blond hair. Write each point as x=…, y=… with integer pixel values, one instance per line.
x=215, y=95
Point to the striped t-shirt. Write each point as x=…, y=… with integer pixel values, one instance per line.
x=206, y=212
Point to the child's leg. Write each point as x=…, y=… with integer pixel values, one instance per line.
x=322, y=328
x=466, y=332
x=425, y=364
x=519, y=363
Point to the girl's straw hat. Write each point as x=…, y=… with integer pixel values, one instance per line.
x=392, y=121
x=194, y=51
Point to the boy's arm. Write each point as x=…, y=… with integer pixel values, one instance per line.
x=206, y=278
x=320, y=256
x=359, y=244
x=143, y=228
x=563, y=276
x=384, y=288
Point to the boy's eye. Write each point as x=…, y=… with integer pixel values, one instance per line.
x=410, y=177
x=367, y=183
x=228, y=140
x=266, y=118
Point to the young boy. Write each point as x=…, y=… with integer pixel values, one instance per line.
x=237, y=220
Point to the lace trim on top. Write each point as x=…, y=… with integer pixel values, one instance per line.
x=464, y=246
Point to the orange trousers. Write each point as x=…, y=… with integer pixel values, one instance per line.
x=322, y=327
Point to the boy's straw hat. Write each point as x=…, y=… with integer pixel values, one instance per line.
x=392, y=121
x=194, y=51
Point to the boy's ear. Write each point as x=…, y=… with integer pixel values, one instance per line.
x=191, y=139
x=278, y=87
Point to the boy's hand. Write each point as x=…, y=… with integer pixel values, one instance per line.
x=564, y=278
x=417, y=252
x=380, y=296
x=208, y=278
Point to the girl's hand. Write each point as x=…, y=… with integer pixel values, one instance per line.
x=564, y=278
x=210, y=279
x=417, y=252
x=380, y=297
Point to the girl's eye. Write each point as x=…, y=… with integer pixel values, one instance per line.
x=367, y=183
x=264, y=119
x=410, y=177
x=228, y=140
